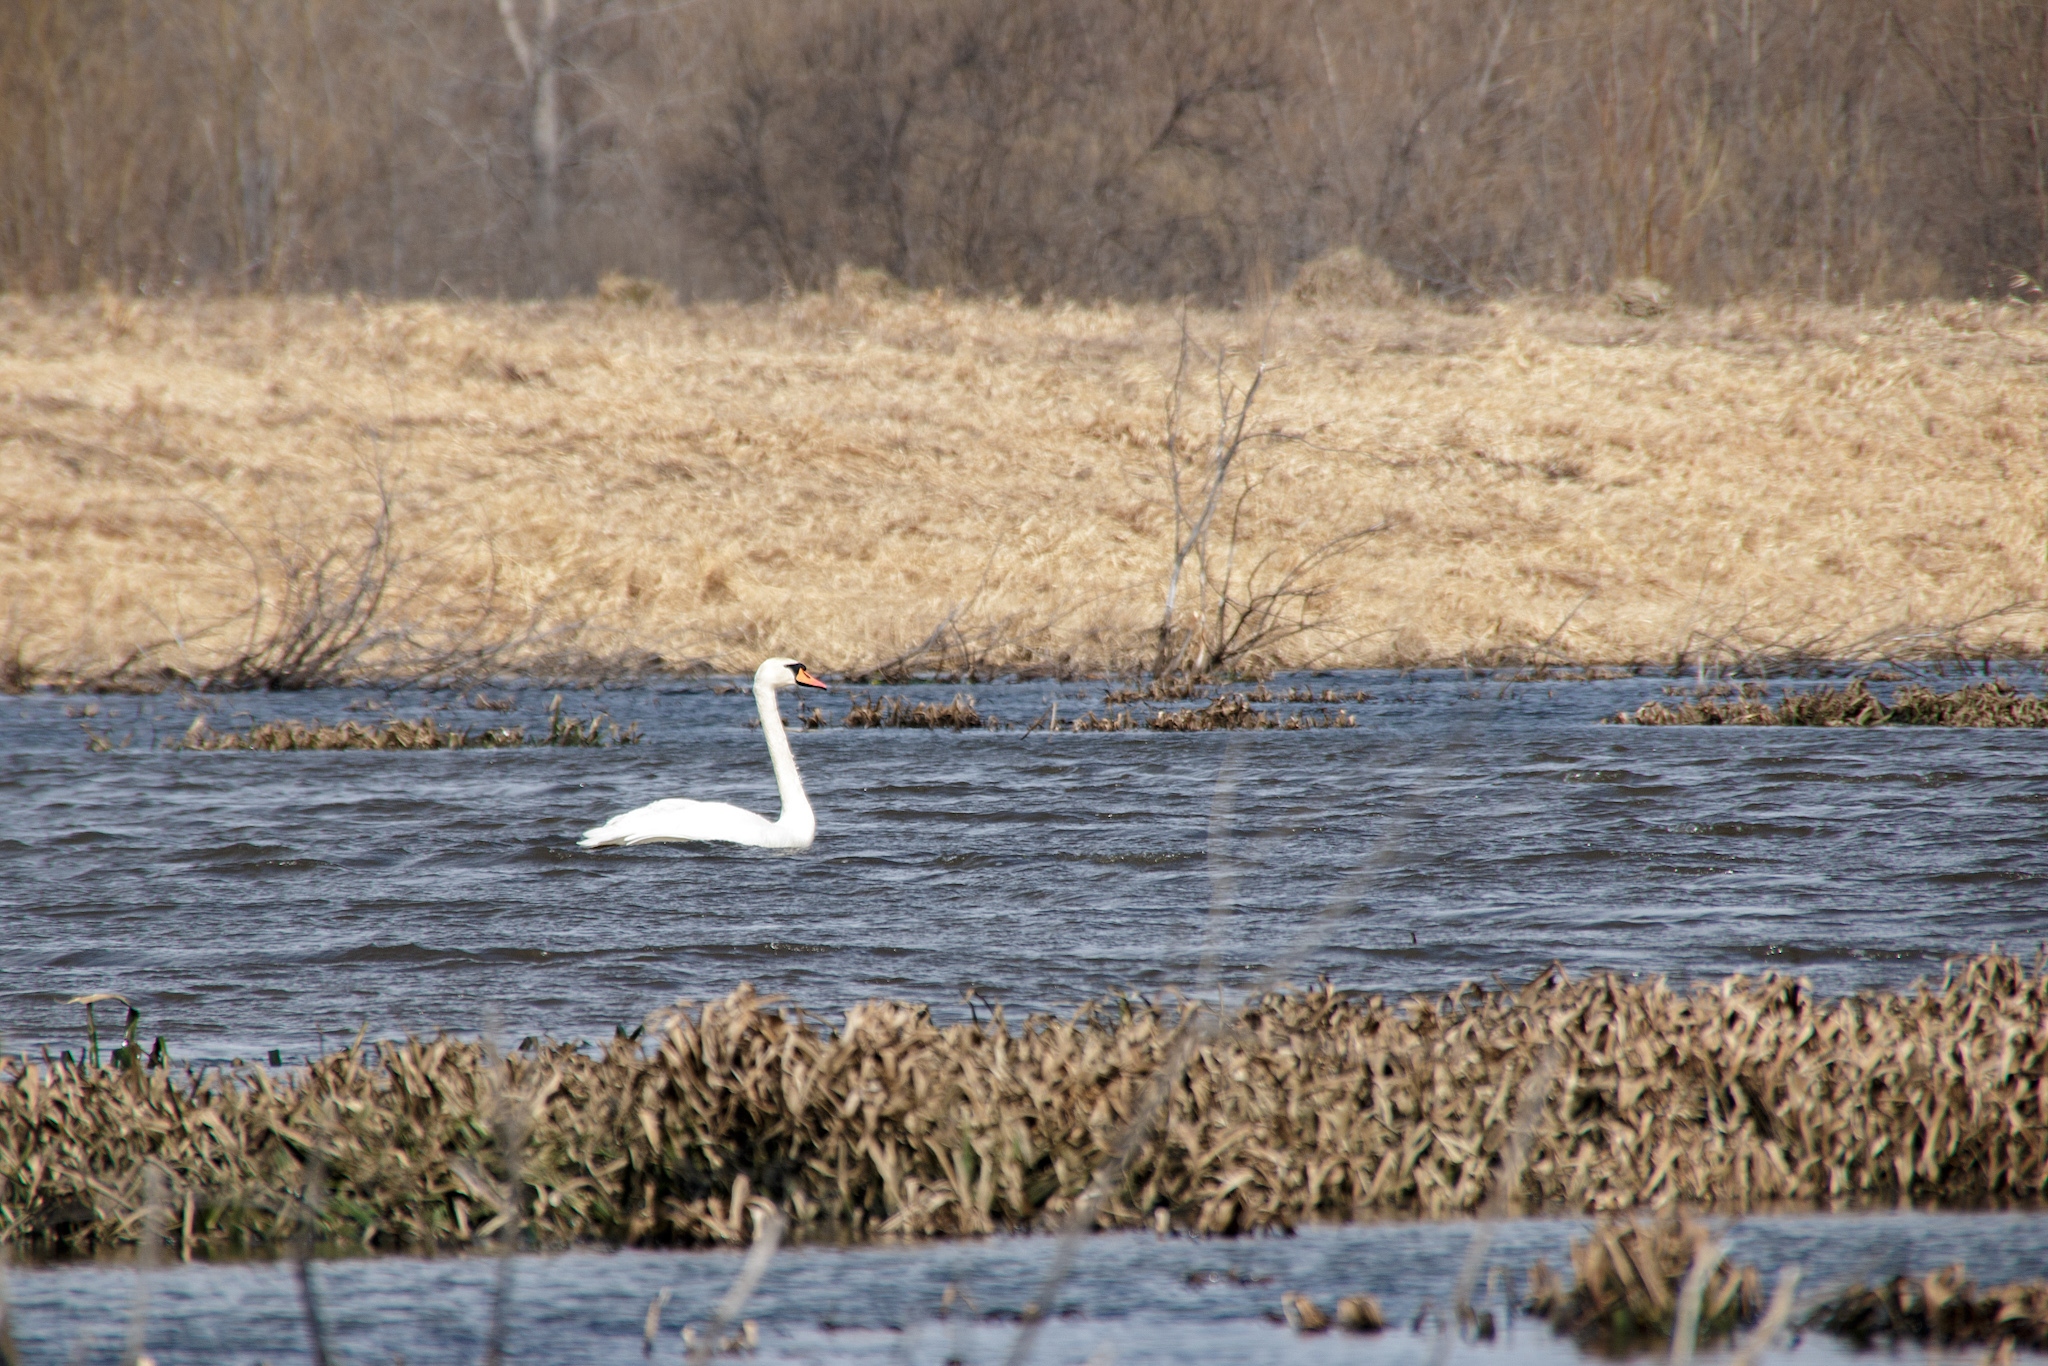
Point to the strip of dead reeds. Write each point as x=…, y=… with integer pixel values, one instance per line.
x=1996, y=704
x=1233, y=711
x=402, y=734
x=1317, y=1105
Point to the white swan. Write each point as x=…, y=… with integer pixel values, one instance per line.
x=680, y=818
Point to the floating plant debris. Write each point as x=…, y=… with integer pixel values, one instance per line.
x=1993, y=704
x=1738, y=1095
x=1944, y=1307
x=1627, y=1281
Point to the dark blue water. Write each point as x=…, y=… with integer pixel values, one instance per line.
x=1463, y=829
x=1132, y=1298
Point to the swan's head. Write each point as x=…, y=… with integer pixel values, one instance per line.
x=785, y=673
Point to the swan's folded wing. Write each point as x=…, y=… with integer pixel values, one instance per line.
x=680, y=818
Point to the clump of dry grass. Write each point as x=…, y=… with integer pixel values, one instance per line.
x=396, y=733
x=1314, y=1105
x=1944, y=1307
x=1629, y=1284
x=1231, y=712
x=959, y=714
x=1996, y=704
x=836, y=475
x=1235, y=712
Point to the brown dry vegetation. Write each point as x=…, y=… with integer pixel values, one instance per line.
x=1944, y=1306
x=1739, y=1095
x=401, y=734
x=867, y=477
x=1996, y=705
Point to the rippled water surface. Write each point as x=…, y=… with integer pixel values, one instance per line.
x=1464, y=829
x=1131, y=1298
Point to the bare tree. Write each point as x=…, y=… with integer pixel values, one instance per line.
x=540, y=59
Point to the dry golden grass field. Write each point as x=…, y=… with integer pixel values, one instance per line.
x=872, y=476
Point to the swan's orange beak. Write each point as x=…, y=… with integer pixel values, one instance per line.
x=806, y=679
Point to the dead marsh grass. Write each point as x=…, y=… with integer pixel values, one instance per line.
x=402, y=734
x=1996, y=705
x=1629, y=1287
x=1740, y=1095
x=1944, y=1307
x=979, y=486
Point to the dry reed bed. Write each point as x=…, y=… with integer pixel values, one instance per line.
x=399, y=733
x=1229, y=712
x=837, y=475
x=1233, y=711
x=1994, y=705
x=1313, y=1105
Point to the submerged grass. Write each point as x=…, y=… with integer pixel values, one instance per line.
x=1742, y=1095
x=1993, y=704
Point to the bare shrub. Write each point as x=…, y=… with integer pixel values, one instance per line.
x=1249, y=599
x=347, y=599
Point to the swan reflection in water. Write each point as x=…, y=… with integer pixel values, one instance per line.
x=682, y=818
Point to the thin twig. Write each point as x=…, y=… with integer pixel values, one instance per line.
x=1780, y=1312
x=311, y=1201
x=652, y=1328
x=1500, y=1202
x=768, y=1227
x=145, y=1262
x=510, y=1131
x=1685, y=1327
x=10, y=1355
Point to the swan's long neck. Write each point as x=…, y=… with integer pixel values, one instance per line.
x=796, y=816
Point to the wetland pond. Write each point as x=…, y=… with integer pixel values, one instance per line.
x=1464, y=828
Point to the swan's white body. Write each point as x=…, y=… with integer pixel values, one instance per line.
x=680, y=818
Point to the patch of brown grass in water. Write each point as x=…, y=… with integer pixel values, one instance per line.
x=959, y=714
x=1234, y=712
x=1944, y=1306
x=1996, y=704
x=1316, y=1106
x=839, y=475
x=399, y=733
x=1627, y=1284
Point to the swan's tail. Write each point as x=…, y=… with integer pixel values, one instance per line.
x=617, y=830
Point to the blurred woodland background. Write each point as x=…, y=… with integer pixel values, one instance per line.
x=1839, y=149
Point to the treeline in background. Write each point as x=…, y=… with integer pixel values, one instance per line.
x=1841, y=149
